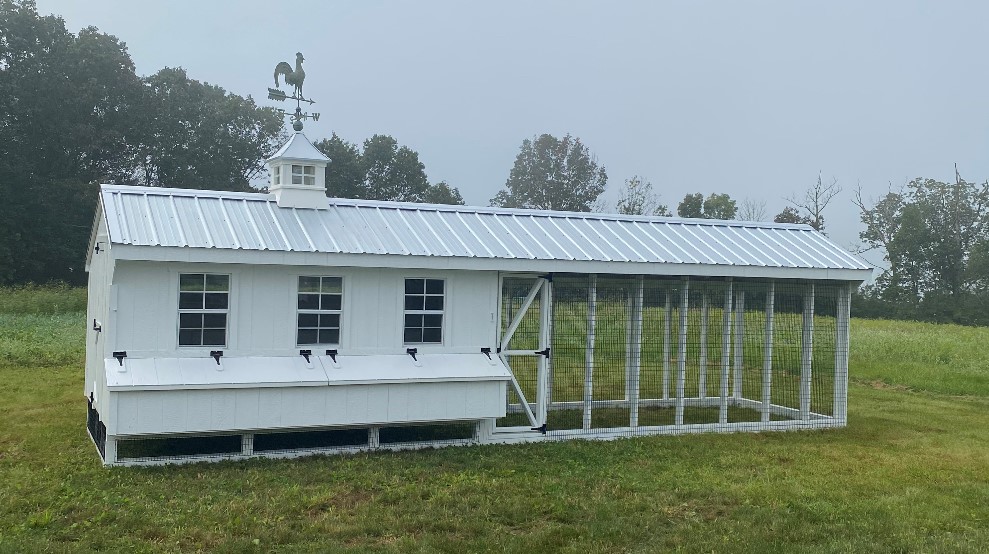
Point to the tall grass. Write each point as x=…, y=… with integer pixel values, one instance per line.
x=42, y=325
x=42, y=299
x=941, y=358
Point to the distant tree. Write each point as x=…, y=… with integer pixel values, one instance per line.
x=382, y=170
x=637, y=198
x=752, y=210
x=692, y=205
x=715, y=206
x=442, y=193
x=73, y=113
x=392, y=172
x=720, y=206
x=344, y=173
x=790, y=215
x=935, y=239
x=201, y=136
x=68, y=107
x=814, y=201
x=553, y=174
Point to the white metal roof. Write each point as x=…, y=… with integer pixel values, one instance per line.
x=383, y=234
x=298, y=147
x=294, y=371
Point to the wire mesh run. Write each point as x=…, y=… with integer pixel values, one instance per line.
x=634, y=353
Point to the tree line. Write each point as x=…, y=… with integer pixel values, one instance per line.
x=74, y=113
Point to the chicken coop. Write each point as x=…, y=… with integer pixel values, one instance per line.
x=230, y=325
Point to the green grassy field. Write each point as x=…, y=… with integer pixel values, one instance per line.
x=908, y=474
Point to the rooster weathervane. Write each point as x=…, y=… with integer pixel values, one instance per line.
x=294, y=77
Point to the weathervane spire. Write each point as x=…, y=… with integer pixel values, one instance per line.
x=295, y=77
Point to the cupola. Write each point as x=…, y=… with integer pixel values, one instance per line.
x=298, y=174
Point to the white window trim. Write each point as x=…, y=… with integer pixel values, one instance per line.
x=339, y=312
x=441, y=313
x=178, y=320
x=306, y=175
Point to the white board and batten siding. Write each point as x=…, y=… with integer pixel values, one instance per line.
x=262, y=382
x=262, y=309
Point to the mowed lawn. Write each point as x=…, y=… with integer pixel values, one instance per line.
x=910, y=473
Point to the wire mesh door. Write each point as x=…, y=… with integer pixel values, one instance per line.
x=523, y=346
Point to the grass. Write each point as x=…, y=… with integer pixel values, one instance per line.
x=908, y=474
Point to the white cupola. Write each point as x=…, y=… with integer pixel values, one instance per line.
x=298, y=174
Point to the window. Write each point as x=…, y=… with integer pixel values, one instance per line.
x=204, y=299
x=424, y=311
x=303, y=175
x=276, y=177
x=320, y=304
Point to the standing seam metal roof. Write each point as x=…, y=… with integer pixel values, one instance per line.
x=187, y=218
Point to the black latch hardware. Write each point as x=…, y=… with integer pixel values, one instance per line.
x=97, y=248
x=305, y=354
x=543, y=352
x=498, y=350
x=96, y=326
x=541, y=428
x=412, y=352
x=120, y=356
x=332, y=354
x=216, y=355
x=548, y=277
x=486, y=352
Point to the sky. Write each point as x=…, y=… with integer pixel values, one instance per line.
x=754, y=99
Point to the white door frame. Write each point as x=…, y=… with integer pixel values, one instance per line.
x=543, y=286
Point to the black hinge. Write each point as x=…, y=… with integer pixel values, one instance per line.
x=120, y=356
x=216, y=355
x=305, y=354
x=97, y=248
x=486, y=352
x=541, y=428
x=332, y=354
x=96, y=326
x=412, y=352
x=543, y=352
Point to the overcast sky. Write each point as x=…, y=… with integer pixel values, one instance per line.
x=749, y=98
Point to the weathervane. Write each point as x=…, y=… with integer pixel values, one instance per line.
x=295, y=78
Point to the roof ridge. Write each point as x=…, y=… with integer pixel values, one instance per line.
x=453, y=208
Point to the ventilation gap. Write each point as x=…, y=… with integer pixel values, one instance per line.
x=302, y=440
x=129, y=449
x=427, y=433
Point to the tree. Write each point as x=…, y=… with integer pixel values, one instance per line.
x=814, y=201
x=442, y=193
x=720, y=206
x=715, y=206
x=638, y=198
x=67, y=106
x=933, y=234
x=392, y=172
x=344, y=173
x=752, y=210
x=790, y=215
x=383, y=170
x=692, y=205
x=553, y=174
x=200, y=136
x=73, y=113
